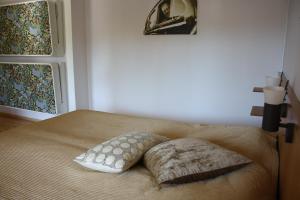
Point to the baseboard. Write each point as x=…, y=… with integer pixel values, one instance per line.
x=26, y=113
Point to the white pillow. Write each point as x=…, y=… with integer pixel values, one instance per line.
x=120, y=153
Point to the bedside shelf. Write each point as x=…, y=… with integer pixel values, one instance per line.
x=258, y=89
x=257, y=111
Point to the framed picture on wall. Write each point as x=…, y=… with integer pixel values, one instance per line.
x=31, y=86
x=172, y=17
x=30, y=29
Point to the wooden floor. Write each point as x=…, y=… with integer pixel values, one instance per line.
x=9, y=121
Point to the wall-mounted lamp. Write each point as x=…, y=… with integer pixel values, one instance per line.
x=274, y=109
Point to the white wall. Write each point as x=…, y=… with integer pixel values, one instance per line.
x=113, y=67
x=202, y=78
x=292, y=51
x=79, y=54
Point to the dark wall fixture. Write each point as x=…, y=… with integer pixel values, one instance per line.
x=275, y=108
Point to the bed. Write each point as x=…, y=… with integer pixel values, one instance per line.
x=36, y=161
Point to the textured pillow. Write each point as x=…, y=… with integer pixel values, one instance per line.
x=190, y=159
x=119, y=153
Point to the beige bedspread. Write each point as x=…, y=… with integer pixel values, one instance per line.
x=36, y=161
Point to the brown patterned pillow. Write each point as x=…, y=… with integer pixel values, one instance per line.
x=190, y=159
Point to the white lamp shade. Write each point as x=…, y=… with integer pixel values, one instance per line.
x=274, y=95
x=272, y=81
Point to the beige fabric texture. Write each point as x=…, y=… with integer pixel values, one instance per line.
x=36, y=161
x=187, y=160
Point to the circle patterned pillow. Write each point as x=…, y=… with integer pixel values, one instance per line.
x=120, y=153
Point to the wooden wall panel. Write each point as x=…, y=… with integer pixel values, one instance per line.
x=290, y=156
